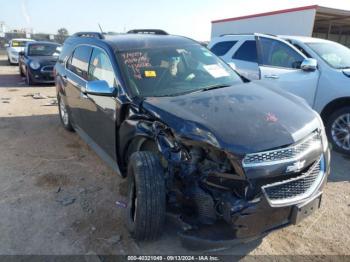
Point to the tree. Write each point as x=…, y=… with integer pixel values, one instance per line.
x=62, y=34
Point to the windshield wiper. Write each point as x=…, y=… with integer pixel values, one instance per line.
x=213, y=87
x=344, y=67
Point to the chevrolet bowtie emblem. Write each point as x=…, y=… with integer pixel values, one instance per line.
x=296, y=167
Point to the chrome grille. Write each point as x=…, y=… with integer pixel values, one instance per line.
x=293, y=190
x=290, y=153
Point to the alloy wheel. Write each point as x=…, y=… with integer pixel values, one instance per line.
x=341, y=131
x=64, y=113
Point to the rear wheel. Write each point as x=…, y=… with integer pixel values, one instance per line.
x=338, y=130
x=145, y=212
x=64, y=114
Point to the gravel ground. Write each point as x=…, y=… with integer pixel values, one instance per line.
x=58, y=197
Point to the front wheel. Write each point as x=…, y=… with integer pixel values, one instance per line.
x=338, y=130
x=145, y=212
x=29, y=80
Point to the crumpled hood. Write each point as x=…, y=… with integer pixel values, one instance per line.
x=241, y=119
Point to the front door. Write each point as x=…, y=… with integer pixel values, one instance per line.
x=98, y=113
x=279, y=62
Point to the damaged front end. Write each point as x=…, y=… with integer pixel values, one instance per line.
x=219, y=198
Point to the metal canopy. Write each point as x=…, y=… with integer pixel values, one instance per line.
x=333, y=24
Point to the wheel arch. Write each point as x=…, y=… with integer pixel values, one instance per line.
x=334, y=105
x=131, y=139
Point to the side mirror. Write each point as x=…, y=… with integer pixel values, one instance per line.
x=100, y=88
x=309, y=64
x=21, y=53
x=7, y=45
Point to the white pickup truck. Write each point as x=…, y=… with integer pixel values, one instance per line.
x=315, y=69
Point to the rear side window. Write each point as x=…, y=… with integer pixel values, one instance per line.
x=278, y=54
x=222, y=48
x=101, y=68
x=79, y=62
x=247, y=52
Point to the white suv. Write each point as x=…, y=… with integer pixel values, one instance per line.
x=315, y=69
x=14, y=47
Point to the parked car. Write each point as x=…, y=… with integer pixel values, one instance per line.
x=229, y=161
x=37, y=61
x=314, y=69
x=333, y=94
x=13, y=48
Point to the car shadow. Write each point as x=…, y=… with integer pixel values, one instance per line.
x=340, y=166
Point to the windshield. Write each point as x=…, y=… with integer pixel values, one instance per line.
x=19, y=43
x=336, y=55
x=43, y=50
x=171, y=71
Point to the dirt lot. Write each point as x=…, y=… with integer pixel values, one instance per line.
x=58, y=197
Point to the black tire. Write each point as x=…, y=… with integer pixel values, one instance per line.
x=67, y=124
x=329, y=123
x=146, y=187
x=20, y=71
x=29, y=80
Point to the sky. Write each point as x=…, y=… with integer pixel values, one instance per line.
x=190, y=18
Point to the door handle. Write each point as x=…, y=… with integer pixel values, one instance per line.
x=271, y=76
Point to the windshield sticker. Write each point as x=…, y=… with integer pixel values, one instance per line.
x=150, y=74
x=216, y=71
x=135, y=61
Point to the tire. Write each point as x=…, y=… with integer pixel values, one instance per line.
x=339, y=120
x=64, y=114
x=145, y=211
x=29, y=80
x=20, y=71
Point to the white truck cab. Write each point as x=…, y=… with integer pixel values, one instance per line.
x=15, y=46
x=315, y=69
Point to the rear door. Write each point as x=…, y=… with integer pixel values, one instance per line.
x=246, y=59
x=76, y=79
x=280, y=63
x=98, y=113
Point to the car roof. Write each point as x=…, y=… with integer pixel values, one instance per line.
x=304, y=39
x=130, y=41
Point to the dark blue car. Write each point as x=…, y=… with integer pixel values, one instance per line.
x=37, y=61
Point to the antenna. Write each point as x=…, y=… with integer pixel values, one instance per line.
x=100, y=28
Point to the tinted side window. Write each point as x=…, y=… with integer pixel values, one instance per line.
x=222, y=48
x=276, y=53
x=247, y=52
x=101, y=68
x=79, y=62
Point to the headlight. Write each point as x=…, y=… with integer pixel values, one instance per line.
x=323, y=133
x=34, y=65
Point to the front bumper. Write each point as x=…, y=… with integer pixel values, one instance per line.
x=255, y=220
x=41, y=76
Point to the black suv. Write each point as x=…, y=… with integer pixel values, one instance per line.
x=230, y=161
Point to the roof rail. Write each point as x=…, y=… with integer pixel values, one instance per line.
x=89, y=34
x=148, y=31
x=246, y=34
